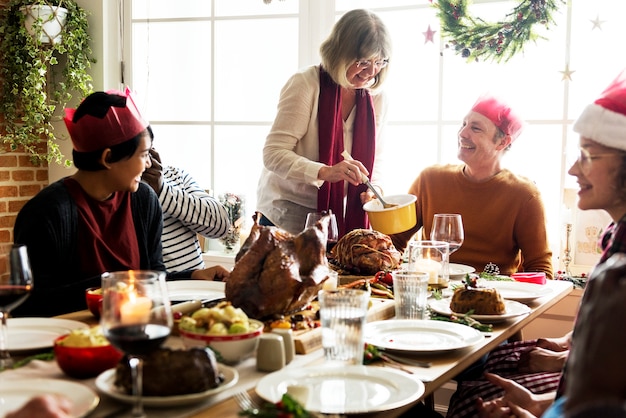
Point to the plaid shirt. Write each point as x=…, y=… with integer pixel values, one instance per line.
x=614, y=239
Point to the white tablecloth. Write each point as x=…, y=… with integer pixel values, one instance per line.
x=109, y=407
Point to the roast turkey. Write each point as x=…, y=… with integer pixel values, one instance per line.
x=277, y=273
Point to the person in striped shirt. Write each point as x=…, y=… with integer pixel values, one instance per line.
x=188, y=210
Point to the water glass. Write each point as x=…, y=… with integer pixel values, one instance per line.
x=410, y=291
x=343, y=313
x=431, y=257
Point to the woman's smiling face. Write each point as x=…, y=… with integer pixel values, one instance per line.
x=126, y=174
x=597, y=172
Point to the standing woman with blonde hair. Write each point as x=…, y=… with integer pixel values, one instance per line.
x=322, y=111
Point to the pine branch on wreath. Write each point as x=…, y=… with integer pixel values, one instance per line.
x=475, y=39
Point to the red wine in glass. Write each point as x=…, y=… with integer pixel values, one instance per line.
x=14, y=290
x=137, y=339
x=12, y=296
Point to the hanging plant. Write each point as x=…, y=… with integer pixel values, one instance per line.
x=40, y=72
x=475, y=39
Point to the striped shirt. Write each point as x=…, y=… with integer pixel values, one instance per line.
x=187, y=211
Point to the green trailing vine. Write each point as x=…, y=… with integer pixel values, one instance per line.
x=475, y=39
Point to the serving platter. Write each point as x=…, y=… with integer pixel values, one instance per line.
x=458, y=271
x=38, y=333
x=344, y=390
x=519, y=291
x=105, y=384
x=184, y=290
x=420, y=336
x=16, y=392
x=512, y=309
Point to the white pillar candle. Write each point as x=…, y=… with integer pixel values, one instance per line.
x=426, y=265
x=136, y=310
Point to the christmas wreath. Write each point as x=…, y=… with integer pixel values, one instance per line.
x=476, y=39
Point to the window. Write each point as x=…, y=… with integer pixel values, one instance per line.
x=208, y=74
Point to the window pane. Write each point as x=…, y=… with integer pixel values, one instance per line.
x=238, y=160
x=251, y=70
x=155, y=9
x=187, y=147
x=172, y=69
x=254, y=7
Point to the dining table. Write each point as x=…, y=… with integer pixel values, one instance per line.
x=443, y=368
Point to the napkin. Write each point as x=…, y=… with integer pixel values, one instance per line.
x=538, y=278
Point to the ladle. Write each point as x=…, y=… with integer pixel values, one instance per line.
x=345, y=154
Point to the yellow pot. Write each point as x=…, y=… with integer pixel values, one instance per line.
x=392, y=220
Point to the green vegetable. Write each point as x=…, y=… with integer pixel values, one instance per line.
x=463, y=320
x=47, y=356
x=286, y=407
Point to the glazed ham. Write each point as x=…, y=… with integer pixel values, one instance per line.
x=277, y=273
x=363, y=251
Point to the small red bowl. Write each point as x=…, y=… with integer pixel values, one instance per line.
x=93, y=296
x=85, y=362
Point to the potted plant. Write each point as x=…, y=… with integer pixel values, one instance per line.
x=40, y=71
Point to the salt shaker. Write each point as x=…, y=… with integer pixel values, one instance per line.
x=290, y=347
x=270, y=355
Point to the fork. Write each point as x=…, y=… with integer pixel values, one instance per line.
x=245, y=402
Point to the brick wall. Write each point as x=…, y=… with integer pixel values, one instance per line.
x=19, y=181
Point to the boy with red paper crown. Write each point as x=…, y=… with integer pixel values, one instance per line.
x=512, y=236
x=102, y=218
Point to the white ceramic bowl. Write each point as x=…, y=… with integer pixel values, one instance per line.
x=232, y=348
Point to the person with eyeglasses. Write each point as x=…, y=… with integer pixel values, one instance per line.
x=593, y=380
x=322, y=111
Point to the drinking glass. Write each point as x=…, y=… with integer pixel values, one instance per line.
x=136, y=318
x=410, y=289
x=14, y=289
x=431, y=257
x=343, y=313
x=448, y=227
x=333, y=232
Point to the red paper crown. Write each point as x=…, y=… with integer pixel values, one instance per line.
x=500, y=114
x=120, y=124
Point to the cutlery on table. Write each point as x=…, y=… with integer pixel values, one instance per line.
x=405, y=360
x=245, y=402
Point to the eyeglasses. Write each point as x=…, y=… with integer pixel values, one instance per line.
x=365, y=64
x=585, y=159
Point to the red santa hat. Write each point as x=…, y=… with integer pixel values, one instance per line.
x=119, y=124
x=604, y=121
x=500, y=113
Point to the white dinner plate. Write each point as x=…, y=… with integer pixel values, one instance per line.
x=38, y=333
x=344, y=389
x=521, y=292
x=16, y=392
x=420, y=336
x=184, y=290
x=458, y=271
x=512, y=309
x=105, y=384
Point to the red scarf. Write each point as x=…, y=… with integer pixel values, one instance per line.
x=330, y=196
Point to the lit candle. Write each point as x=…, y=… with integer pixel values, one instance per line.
x=136, y=310
x=331, y=282
x=426, y=265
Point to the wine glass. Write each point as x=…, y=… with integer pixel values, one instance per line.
x=448, y=227
x=136, y=318
x=14, y=290
x=333, y=232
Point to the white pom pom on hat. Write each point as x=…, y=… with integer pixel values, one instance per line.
x=604, y=121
